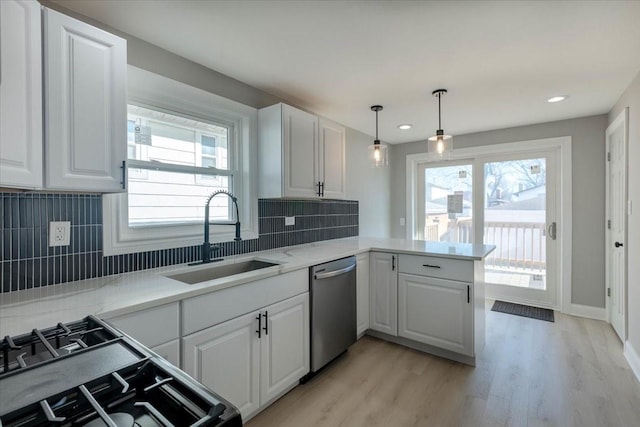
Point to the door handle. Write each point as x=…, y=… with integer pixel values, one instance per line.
x=618, y=244
x=266, y=323
x=393, y=263
x=552, y=230
x=259, y=331
x=319, y=276
x=124, y=174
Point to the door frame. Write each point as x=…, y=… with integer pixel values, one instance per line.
x=563, y=147
x=622, y=120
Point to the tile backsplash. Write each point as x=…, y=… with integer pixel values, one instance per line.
x=27, y=261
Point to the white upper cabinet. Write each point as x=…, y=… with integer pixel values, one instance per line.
x=299, y=154
x=332, y=159
x=20, y=95
x=300, y=138
x=85, y=105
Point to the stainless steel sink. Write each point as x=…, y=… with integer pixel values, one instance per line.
x=218, y=271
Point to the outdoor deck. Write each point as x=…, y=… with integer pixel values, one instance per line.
x=520, y=255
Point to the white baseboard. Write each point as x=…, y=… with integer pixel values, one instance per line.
x=633, y=358
x=588, y=311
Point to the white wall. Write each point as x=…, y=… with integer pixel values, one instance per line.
x=368, y=185
x=588, y=164
x=631, y=98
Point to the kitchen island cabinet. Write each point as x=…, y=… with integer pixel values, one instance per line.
x=383, y=279
x=431, y=303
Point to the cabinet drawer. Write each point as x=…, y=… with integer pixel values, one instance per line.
x=210, y=309
x=151, y=327
x=443, y=268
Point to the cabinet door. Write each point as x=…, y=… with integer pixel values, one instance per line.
x=226, y=358
x=85, y=105
x=383, y=282
x=362, y=292
x=284, y=346
x=332, y=159
x=436, y=312
x=300, y=153
x=20, y=95
x=170, y=351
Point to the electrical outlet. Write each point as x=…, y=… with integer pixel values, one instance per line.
x=289, y=220
x=59, y=233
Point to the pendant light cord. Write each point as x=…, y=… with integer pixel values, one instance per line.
x=376, y=126
x=439, y=112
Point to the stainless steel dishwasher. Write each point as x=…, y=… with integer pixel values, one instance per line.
x=333, y=310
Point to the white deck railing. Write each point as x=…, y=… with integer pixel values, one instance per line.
x=519, y=245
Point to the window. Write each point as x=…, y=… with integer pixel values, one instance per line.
x=175, y=163
x=182, y=144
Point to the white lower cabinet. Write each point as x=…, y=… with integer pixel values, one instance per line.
x=157, y=328
x=169, y=351
x=437, y=312
x=362, y=292
x=226, y=358
x=284, y=346
x=252, y=359
x=383, y=288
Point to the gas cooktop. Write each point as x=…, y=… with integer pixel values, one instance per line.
x=88, y=373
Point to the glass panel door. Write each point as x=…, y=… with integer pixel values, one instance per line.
x=519, y=213
x=445, y=209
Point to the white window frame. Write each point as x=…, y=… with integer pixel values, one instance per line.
x=155, y=91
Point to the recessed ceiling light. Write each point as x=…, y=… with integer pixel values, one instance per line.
x=404, y=127
x=557, y=98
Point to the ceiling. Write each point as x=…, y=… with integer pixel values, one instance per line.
x=499, y=60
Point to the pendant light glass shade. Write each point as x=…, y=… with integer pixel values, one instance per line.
x=378, y=153
x=440, y=144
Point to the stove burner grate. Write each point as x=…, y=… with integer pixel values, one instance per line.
x=146, y=392
x=42, y=345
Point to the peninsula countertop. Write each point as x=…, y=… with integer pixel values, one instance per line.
x=120, y=294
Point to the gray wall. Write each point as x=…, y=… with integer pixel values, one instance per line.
x=368, y=185
x=631, y=98
x=361, y=178
x=588, y=192
x=157, y=60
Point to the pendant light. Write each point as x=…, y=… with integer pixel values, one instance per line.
x=377, y=151
x=440, y=143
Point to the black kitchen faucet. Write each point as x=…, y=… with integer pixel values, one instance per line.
x=208, y=248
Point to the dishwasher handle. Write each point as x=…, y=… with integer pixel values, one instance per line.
x=334, y=273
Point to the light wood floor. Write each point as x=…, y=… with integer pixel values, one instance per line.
x=530, y=373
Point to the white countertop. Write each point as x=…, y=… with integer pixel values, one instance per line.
x=112, y=296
